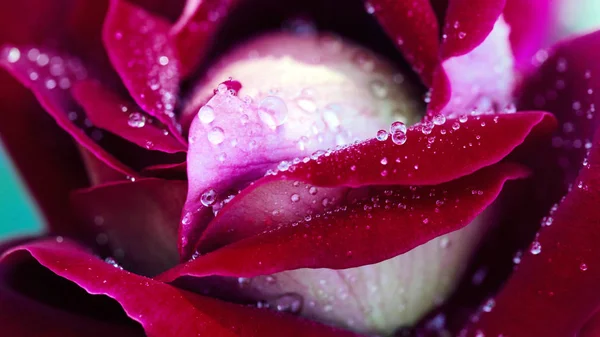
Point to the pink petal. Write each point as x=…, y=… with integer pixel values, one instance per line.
x=141, y=51
x=161, y=309
x=337, y=240
x=414, y=27
x=108, y=111
x=133, y=222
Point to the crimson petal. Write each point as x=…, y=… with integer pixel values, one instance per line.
x=161, y=309
x=196, y=27
x=136, y=222
x=108, y=111
x=49, y=76
x=337, y=240
x=21, y=304
x=413, y=26
x=143, y=54
x=467, y=24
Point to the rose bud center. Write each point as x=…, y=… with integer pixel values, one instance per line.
x=300, y=94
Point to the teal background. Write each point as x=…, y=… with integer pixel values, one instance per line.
x=18, y=213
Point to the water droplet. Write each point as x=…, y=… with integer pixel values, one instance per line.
x=455, y=126
x=463, y=118
x=14, y=55
x=369, y=7
x=536, y=248
x=136, y=120
x=444, y=242
x=379, y=89
x=290, y=302
x=439, y=119
x=583, y=267
x=112, y=262
x=295, y=197
x=216, y=135
x=382, y=135
x=489, y=305
x=206, y=114
x=306, y=104
x=163, y=60
x=331, y=118
x=312, y=190
x=272, y=111
x=208, y=198
x=384, y=161
x=517, y=257
x=462, y=35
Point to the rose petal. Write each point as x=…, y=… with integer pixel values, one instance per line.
x=196, y=27
x=108, y=111
x=467, y=24
x=460, y=148
x=49, y=76
x=156, y=306
x=559, y=283
x=134, y=223
x=24, y=298
x=141, y=51
x=482, y=79
x=530, y=24
x=414, y=27
x=567, y=85
x=337, y=240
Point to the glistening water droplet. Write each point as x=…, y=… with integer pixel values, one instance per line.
x=272, y=111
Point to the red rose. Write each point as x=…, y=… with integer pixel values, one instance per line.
x=258, y=168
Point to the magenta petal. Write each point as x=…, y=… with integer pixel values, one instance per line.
x=553, y=292
x=136, y=222
x=195, y=29
x=468, y=23
x=108, y=111
x=49, y=76
x=161, y=309
x=143, y=54
x=29, y=294
x=337, y=239
x=449, y=151
x=530, y=24
x=413, y=26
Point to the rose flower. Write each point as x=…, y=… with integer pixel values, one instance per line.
x=301, y=168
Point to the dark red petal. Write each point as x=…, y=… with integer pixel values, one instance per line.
x=413, y=26
x=25, y=298
x=163, y=310
x=591, y=328
x=337, y=240
x=530, y=26
x=134, y=222
x=108, y=111
x=425, y=159
x=567, y=85
x=141, y=51
x=167, y=171
x=555, y=293
x=195, y=29
x=52, y=93
x=467, y=24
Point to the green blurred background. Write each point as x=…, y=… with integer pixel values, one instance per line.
x=18, y=214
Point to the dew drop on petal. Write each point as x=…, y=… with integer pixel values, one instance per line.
x=272, y=111
x=312, y=190
x=291, y=303
x=397, y=127
x=583, y=267
x=536, y=248
x=295, y=197
x=208, y=198
x=439, y=119
x=382, y=135
x=136, y=120
x=399, y=138
x=14, y=54
x=216, y=135
x=206, y=114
